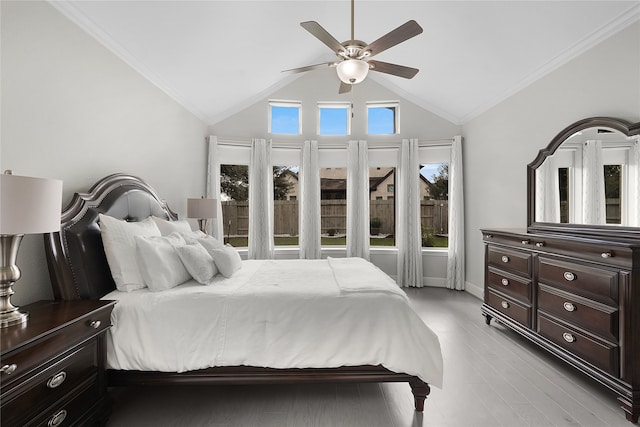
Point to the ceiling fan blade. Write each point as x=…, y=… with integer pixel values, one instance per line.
x=323, y=35
x=310, y=67
x=403, y=32
x=393, y=69
x=344, y=87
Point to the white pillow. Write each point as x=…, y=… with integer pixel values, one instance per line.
x=120, y=249
x=198, y=262
x=167, y=227
x=211, y=244
x=159, y=262
x=227, y=260
x=193, y=236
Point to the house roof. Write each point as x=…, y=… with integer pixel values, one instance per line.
x=217, y=57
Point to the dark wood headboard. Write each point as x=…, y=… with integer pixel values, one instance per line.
x=77, y=264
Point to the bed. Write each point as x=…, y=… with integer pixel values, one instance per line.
x=394, y=347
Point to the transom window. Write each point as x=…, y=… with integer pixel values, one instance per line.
x=285, y=117
x=334, y=118
x=382, y=118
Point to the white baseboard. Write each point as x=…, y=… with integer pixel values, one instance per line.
x=475, y=290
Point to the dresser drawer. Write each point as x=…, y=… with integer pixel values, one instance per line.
x=510, y=284
x=71, y=411
x=595, y=317
x=29, y=358
x=53, y=383
x=510, y=260
x=510, y=307
x=592, y=282
x=599, y=353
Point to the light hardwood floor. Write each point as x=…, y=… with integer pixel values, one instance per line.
x=492, y=377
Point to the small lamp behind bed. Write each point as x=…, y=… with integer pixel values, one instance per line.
x=27, y=206
x=201, y=209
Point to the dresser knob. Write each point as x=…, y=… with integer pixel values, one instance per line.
x=505, y=258
x=568, y=337
x=569, y=276
x=569, y=306
x=488, y=236
x=525, y=242
x=57, y=380
x=95, y=324
x=505, y=282
x=540, y=244
x=57, y=418
x=504, y=304
x=607, y=255
x=9, y=369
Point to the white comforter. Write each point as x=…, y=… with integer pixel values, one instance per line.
x=277, y=314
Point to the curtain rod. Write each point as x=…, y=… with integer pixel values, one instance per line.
x=437, y=142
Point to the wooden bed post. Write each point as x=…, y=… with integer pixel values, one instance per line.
x=420, y=391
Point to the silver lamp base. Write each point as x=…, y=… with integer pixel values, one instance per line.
x=9, y=274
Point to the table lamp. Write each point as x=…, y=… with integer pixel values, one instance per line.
x=201, y=209
x=27, y=206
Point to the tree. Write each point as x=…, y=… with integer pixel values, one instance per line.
x=439, y=184
x=234, y=182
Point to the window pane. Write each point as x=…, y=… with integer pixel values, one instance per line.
x=285, y=120
x=563, y=182
x=612, y=184
x=234, y=189
x=333, y=206
x=334, y=121
x=382, y=209
x=285, y=205
x=434, y=204
x=381, y=120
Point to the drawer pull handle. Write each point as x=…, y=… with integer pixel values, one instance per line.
x=95, y=324
x=569, y=306
x=505, y=282
x=57, y=380
x=504, y=304
x=606, y=254
x=505, y=258
x=569, y=276
x=488, y=236
x=525, y=242
x=568, y=337
x=540, y=244
x=9, y=369
x=57, y=418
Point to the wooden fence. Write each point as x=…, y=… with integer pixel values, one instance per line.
x=434, y=215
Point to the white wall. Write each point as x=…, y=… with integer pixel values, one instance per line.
x=604, y=81
x=72, y=110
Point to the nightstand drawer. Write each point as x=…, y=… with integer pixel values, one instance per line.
x=510, y=260
x=510, y=284
x=602, y=354
x=29, y=358
x=50, y=385
x=518, y=312
x=595, y=317
x=590, y=282
x=71, y=410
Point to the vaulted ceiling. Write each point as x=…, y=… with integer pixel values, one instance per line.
x=214, y=56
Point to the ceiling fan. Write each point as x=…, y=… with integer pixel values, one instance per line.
x=354, y=61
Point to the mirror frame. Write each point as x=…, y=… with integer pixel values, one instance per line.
x=622, y=126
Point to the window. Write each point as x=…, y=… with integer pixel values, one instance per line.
x=285, y=205
x=334, y=118
x=285, y=117
x=333, y=206
x=390, y=188
x=234, y=189
x=382, y=118
x=612, y=185
x=434, y=195
x=565, y=190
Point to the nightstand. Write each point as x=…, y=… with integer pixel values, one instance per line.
x=53, y=367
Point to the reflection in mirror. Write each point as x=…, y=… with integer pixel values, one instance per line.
x=593, y=177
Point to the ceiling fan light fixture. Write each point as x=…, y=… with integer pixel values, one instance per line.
x=352, y=71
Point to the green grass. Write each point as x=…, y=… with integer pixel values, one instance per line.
x=243, y=242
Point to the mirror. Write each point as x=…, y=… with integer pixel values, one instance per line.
x=587, y=180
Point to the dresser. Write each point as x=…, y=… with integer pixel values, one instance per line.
x=576, y=297
x=53, y=367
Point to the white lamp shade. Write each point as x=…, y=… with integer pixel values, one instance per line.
x=201, y=208
x=352, y=71
x=29, y=205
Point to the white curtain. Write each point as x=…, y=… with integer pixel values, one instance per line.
x=455, y=262
x=547, y=192
x=309, y=202
x=358, y=200
x=260, y=201
x=593, y=198
x=409, y=238
x=216, y=227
